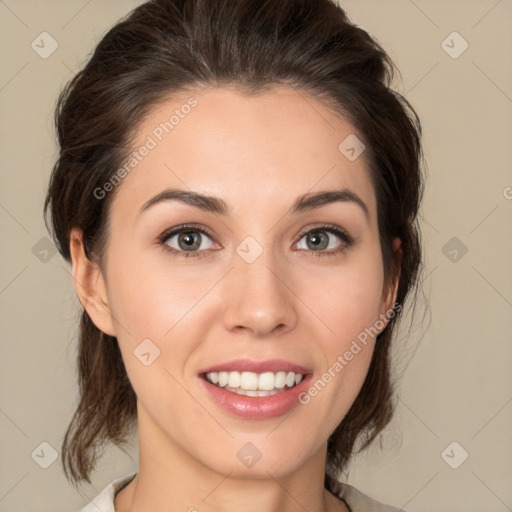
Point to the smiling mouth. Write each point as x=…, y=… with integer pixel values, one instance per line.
x=254, y=384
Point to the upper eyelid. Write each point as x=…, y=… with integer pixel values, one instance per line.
x=325, y=227
x=168, y=233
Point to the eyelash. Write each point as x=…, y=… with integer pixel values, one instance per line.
x=347, y=240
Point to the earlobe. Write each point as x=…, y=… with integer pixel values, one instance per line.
x=90, y=286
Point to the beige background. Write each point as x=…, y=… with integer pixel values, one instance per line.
x=457, y=385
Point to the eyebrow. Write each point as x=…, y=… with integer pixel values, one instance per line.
x=216, y=205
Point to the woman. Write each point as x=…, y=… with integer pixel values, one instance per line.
x=236, y=190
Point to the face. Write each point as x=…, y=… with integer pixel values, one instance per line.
x=261, y=280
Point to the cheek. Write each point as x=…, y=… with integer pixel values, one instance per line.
x=151, y=300
x=346, y=299
x=354, y=305
x=151, y=295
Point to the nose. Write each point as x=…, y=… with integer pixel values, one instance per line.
x=258, y=297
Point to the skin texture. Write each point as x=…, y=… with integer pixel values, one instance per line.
x=258, y=153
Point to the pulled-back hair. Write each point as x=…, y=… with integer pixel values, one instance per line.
x=164, y=47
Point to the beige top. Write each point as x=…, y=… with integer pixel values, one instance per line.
x=354, y=499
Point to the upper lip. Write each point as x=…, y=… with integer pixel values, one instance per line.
x=250, y=365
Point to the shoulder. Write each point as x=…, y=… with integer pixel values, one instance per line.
x=360, y=502
x=104, y=501
x=356, y=500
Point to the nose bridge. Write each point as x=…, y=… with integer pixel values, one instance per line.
x=258, y=297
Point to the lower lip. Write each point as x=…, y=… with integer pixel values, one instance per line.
x=257, y=407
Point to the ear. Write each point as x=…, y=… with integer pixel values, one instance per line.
x=90, y=285
x=389, y=294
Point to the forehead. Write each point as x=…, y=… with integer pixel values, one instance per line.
x=251, y=150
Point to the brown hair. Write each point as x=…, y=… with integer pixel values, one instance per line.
x=166, y=46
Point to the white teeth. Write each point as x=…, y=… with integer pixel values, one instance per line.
x=266, y=381
x=247, y=380
x=234, y=380
x=255, y=383
x=223, y=379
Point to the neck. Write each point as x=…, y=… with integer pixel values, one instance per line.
x=171, y=479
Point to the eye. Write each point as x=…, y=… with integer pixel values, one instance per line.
x=321, y=238
x=186, y=240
